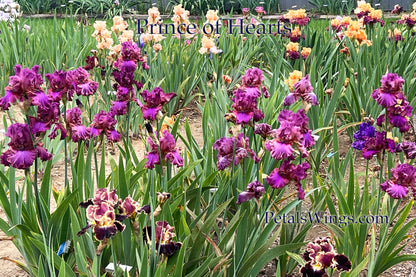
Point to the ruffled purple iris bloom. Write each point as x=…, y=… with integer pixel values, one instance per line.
x=131, y=52
x=254, y=190
x=302, y=90
x=79, y=82
x=24, y=85
x=376, y=144
x=391, y=97
x=104, y=123
x=168, y=151
x=409, y=149
x=403, y=177
x=320, y=255
x=154, y=101
x=288, y=172
x=252, y=83
x=47, y=115
x=123, y=95
x=225, y=148
x=293, y=131
x=264, y=130
x=163, y=238
x=390, y=91
x=245, y=107
x=398, y=116
x=22, y=152
x=59, y=86
x=360, y=137
x=76, y=130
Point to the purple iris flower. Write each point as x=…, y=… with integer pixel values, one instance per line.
x=293, y=132
x=104, y=123
x=245, y=107
x=225, y=148
x=154, y=101
x=390, y=90
x=123, y=95
x=403, y=177
x=131, y=52
x=47, y=115
x=22, y=152
x=376, y=144
x=302, y=90
x=254, y=190
x=366, y=131
x=78, y=78
x=409, y=149
x=168, y=151
x=288, y=172
x=252, y=82
x=58, y=85
x=76, y=130
x=22, y=86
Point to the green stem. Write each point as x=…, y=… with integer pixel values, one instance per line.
x=66, y=156
x=113, y=253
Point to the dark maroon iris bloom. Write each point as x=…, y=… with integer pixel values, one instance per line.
x=369, y=20
x=264, y=130
x=397, y=9
x=22, y=152
x=92, y=62
x=22, y=86
x=294, y=55
x=320, y=255
x=225, y=148
x=154, y=101
x=163, y=238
